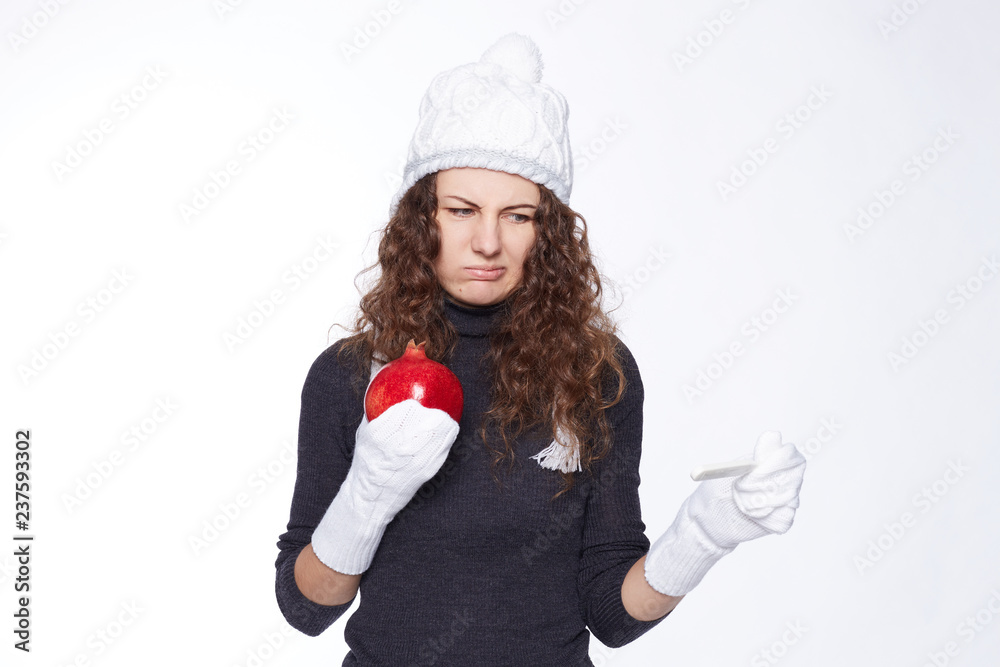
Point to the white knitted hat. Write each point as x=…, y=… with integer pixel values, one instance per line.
x=494, y=114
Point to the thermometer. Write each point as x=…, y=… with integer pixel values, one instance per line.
x=733, y=468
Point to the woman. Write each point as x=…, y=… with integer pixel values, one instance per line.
x=507, y=538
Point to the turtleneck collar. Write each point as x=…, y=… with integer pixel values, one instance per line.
x=473, y=321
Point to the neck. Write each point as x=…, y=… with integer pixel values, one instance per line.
x=450, y=299
x=472, y=320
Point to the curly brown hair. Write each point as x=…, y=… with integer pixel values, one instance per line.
x=554, y=355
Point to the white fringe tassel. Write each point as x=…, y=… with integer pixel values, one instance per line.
x=557, y=456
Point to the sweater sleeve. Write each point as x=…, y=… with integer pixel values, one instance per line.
x=614, y=534
x=330, y=414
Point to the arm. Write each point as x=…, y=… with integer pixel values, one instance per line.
x=614, y=537
x=642, y=601
x=321, y=584
x=349, y=486
x=325, y=443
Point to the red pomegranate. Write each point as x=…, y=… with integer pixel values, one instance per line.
x=413, y=375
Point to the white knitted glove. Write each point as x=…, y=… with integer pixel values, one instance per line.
x=394, y=455
x=721, y=513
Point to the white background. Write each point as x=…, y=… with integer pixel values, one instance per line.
x=878, y=432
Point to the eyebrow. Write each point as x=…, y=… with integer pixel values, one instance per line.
x=474, y=205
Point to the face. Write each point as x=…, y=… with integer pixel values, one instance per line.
x=487, y=224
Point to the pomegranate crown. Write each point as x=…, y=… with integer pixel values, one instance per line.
x=419, y=347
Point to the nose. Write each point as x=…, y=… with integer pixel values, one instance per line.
x=486, y=235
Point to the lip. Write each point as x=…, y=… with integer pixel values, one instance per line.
x=485, y=272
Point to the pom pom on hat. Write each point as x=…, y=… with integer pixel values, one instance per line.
x=494, y=114
x=518, y=55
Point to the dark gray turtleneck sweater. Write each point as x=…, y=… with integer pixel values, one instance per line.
x=469, y=573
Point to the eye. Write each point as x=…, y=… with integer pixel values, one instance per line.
x=461, y=212
x=519, y=217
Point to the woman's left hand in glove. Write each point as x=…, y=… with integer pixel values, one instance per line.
x=722, y=513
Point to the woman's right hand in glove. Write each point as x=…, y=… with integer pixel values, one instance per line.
x=394, y=455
